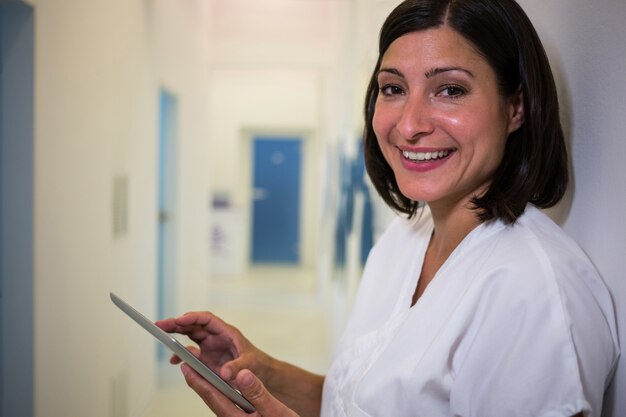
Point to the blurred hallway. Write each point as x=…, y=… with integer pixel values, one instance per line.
x=278, y=309
x=80, y=151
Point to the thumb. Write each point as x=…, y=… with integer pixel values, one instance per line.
x=253, y=389
x=231, y=369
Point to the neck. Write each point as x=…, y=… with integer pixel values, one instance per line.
x=452, y=225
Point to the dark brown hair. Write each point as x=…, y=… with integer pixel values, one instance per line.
x=534, y=166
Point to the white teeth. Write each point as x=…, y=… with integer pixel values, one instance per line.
x=425, y=156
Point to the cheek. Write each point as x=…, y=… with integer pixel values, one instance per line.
x=458, y=123
x=382, y=124
x=473, y=129
x=377, y=123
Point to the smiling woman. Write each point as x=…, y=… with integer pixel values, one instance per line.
x=528, y=92
x=473, y=302
x=439, y=102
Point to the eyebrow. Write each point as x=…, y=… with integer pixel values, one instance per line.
x=430, y=73
x=436, y=71
x=390, y=71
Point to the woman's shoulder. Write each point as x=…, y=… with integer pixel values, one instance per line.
x=535, y=243
x=536, y=277
x=401, y=228
x=399, y=246
x=535, y=262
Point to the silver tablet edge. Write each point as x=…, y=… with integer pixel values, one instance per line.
x=174, y=345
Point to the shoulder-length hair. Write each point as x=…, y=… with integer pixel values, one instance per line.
x=534, y=165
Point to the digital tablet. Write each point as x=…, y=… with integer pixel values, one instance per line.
x=184, y=354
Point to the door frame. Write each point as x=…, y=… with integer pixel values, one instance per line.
x=308, y=202
x=167, y=208
x=17, y=212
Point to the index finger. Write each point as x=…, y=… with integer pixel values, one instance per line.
x=208, y=321
x=201, y=326
x=168, y=325
x=188, y=322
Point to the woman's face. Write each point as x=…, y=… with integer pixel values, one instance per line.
x=440, y=120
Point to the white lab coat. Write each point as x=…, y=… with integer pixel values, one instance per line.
x=517, y=322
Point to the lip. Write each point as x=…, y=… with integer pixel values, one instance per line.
x=426, y=165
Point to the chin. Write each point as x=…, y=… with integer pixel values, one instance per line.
x=421, y=196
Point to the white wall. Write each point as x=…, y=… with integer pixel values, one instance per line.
x=248, y=102
x=274, y=70
x=585, y=42
x=99, y=67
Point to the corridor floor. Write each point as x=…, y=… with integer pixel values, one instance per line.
x=278, y=309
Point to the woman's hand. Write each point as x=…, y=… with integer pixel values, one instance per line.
x=222, y=347
x=251, y=388
x=227, y=352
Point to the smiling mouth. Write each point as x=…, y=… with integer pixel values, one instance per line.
x=426, y=156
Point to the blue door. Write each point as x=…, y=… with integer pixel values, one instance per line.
x=276, y=205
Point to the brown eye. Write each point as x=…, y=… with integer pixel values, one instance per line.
x=391, y=90
x=453, y=91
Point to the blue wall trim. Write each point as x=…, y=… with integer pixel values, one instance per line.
x=16, y=215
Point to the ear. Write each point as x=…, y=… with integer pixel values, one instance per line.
x=516, y=110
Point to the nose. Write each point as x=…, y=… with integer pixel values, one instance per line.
x=415, y=120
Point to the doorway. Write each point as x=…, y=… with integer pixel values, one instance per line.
x=16, y=208
x=276, y=177
x=167, y=197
